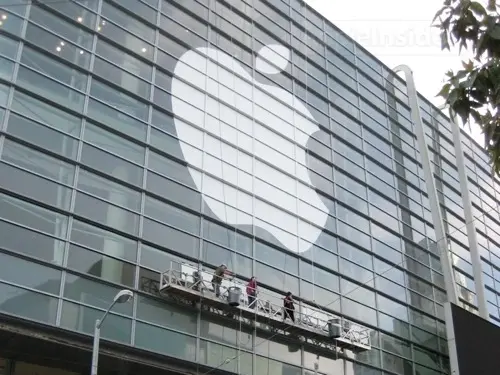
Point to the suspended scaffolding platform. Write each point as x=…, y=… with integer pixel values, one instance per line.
x=194, y=285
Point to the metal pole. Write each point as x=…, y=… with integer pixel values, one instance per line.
x=437, y=219
x=469, y=219
x=95, y=347
x=97, y=338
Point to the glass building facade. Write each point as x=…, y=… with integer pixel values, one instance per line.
x=247, y=132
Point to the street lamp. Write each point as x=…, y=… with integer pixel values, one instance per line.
x=122, y=296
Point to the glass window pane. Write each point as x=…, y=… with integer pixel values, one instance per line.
x=111, y=165
x=358, y=311
x=54, y=69
x=29, y=274
x=116, y=120
x=6, y=68
x=46, y=114
x=157, y=259
x=46, y=40
x=61, y=27
x=32, y=244
x=42, y=136
x=26, y=304
x=35, y=187
x=124, y=60
x=119, y=100
x=47, y=88
x=74, y=10
x=109, y=190
x=141, y=9
x=98, y=239
x=82, y=319
x=164, y=341
x=106, y=214
x=94, y=293
x=125, y=39
x=173, y=191
x=171, y=215
x=183, y=18
x=4, y=93
x=173, y=239
x=13, y=24
x=213, y=355
x=113, y=143
x=166, y=315
x=129, y=23
x=215, y=255
x=99, y=265
x=119, y=77
x=35, y=161
x=8, y=47
x=27, y=214
x=169, y=168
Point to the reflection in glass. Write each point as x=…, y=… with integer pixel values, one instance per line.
x=42, y=136
x=29, y=274
x=32, y=244
x=165, y=342
x=102, y=266
x=166, y=315
x=26, y=214
x=82, y=319
x=26, y=304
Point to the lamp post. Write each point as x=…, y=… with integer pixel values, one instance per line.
x=122, y=296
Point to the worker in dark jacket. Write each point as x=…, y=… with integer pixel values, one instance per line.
x=288, y=307
x=218, y=276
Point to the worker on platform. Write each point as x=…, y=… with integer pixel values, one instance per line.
x=218, y=276
x=252, y=292
x=288, y=307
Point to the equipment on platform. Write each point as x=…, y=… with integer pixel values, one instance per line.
x=233, y=296
x=334, y=329
x=338, y=327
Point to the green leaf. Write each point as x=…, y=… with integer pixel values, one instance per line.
x=473, y=93
x=445, y=90
x=452, y=97
x=461, y=74
x=468, y=66
x=475, y=115
x=481, y=46
x=471, y=80
x=444, y=41
x=438, y=13
x=462, y=109
x=477, y=8
x=495, y=32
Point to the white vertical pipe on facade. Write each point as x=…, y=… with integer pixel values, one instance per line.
x=469, y=220
x=442, y=243
x=441, y=237
x=450, y=337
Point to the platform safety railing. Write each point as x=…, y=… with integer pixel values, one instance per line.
x=197, y=279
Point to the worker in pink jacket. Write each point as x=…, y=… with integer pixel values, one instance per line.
x=252, y=292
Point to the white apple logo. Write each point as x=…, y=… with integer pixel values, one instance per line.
x=256, y=103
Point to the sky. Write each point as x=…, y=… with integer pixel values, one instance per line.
x=399, y=32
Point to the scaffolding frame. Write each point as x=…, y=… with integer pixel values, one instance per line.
x=313, y=326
